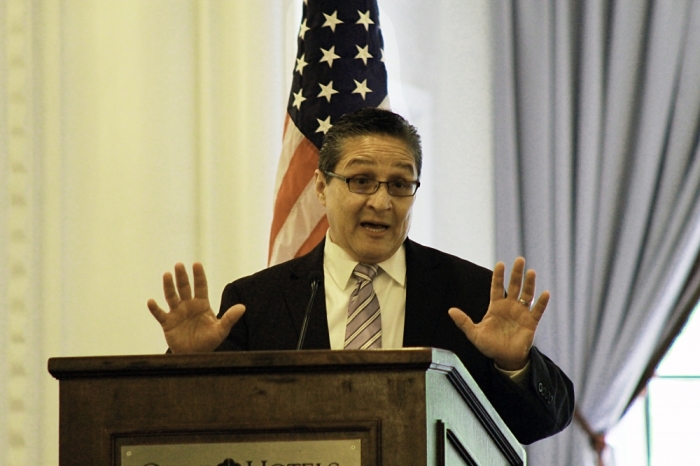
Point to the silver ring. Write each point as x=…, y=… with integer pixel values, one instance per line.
x=525, y=303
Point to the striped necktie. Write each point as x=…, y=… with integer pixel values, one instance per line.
x=364, y=326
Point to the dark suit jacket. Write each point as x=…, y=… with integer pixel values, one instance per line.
x=276, y=299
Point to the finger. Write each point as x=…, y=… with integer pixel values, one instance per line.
x=497, y=281
x=200, y=281
x=527, y=294
x=169, y=291
x=157, y=312
x=463, y=321
x=183, y=282
x=538, y=309
x=516, y=278
x=230, y=317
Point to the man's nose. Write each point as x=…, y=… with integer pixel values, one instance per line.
x=381, y=199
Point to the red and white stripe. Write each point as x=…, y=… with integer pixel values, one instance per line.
x=299, y=221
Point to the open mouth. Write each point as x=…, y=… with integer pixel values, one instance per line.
x=376, y=227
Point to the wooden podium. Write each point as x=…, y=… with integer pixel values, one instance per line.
x=307, y=408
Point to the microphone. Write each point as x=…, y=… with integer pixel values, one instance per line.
x=314, y=279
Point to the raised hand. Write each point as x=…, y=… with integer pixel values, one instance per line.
x=191, y=326
x=507, y=331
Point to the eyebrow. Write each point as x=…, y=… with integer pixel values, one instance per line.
x=371, y=162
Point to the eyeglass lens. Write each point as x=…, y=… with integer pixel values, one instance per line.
x=396, y=188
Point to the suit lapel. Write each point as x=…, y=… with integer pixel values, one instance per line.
x=297, y=294
x=425, y=289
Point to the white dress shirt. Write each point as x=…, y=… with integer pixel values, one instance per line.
x=389, y=285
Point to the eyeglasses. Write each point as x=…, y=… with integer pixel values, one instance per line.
x=362, y=185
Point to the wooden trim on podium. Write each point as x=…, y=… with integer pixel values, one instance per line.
x=250, y=362
x=484, y=418
x=445, y=435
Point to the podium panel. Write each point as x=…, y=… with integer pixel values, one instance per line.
x=414, y=406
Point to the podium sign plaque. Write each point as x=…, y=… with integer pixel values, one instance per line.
x=300, y=452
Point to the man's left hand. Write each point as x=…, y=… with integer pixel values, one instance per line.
x=507, y=331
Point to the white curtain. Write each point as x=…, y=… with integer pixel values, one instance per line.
x=138, y=133
x=598, y=183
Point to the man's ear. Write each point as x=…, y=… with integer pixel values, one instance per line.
x=321, y=186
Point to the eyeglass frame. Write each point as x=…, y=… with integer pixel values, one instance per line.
x=348, y=179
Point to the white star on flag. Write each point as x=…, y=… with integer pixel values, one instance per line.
x=361, y=88
x=364, y=20
x=298, y=99
x=324, y=125
x=327, y=91
x=302, y=29
x=328, y=56
x=332, y=20
x=301, y=63
x=363, y=53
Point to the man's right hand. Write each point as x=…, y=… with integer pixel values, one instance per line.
x=191, y=326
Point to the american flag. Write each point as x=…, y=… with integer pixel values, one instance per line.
x=339, y=69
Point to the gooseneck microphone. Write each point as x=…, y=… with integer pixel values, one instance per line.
x=314, y=279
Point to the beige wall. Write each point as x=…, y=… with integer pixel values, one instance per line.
x=138, y=133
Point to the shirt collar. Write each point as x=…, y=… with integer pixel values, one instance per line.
x=339, y=265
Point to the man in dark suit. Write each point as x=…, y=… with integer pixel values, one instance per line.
x=368, y=175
